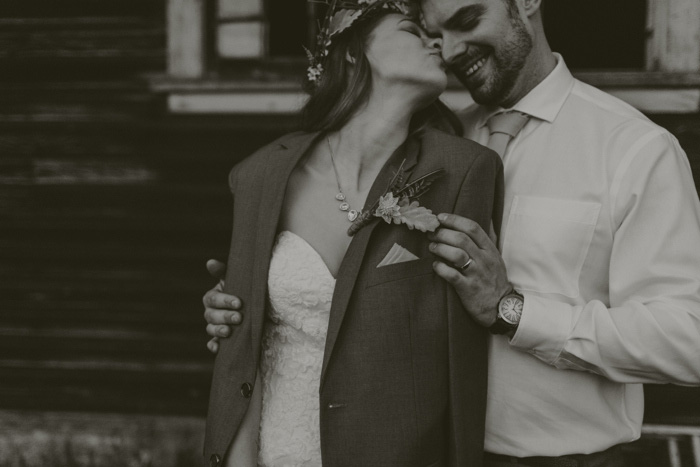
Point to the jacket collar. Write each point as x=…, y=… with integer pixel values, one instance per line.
x=280, y=163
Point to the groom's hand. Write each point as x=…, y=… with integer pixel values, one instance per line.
x=482, y=283
x=220, y=310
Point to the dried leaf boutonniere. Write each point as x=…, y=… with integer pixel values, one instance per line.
x=399, y=205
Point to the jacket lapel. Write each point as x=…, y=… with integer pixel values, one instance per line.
x=350, y=267
x=278, y=168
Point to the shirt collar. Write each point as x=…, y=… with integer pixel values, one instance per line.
x=545, y=100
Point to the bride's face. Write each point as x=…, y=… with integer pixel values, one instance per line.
x=399, y=53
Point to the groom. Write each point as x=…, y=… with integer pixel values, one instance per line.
x=594, y=286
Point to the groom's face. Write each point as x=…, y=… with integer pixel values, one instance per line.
x=485, y=43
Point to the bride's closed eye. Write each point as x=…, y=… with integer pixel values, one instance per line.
x=412, y=28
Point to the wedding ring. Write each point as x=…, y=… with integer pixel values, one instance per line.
x=466, y=265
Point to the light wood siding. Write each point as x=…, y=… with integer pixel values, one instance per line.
x=186, y=38
x=674, y=35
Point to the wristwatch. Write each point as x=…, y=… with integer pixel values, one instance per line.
x=510, y=308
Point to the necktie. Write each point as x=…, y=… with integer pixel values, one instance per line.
x=503, y=127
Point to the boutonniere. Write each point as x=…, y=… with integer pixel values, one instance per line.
x=399, y=204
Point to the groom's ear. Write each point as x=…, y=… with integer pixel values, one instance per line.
x=530, y=7
x=349, y=58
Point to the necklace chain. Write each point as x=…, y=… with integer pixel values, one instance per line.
x=340, y=196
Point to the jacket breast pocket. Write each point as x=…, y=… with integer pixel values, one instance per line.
x=398, y=271
x=546, y=243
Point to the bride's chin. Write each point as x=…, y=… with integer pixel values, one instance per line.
x=433, y=89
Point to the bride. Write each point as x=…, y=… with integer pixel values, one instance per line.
x=353, y=352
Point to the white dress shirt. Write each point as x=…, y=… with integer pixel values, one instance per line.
x=601, y=234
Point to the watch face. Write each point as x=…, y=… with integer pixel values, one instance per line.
x=510, y=309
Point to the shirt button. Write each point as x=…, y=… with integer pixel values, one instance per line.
x=214, y=460
x=246, y=390
x=335, y=405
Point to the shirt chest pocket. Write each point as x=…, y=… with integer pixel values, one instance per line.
x=547, y=241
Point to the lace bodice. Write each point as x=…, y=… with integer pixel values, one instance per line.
x=301, y=289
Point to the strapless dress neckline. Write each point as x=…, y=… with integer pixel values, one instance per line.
x=300, y=289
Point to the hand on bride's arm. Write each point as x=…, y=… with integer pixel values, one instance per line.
x=480, y=283
x=221, y=310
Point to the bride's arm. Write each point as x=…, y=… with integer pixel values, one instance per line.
x=244, y=448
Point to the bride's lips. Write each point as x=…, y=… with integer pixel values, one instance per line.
x=439, y=59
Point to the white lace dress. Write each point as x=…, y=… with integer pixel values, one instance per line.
x=301, y=289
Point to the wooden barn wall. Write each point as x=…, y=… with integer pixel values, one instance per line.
x=109, y=208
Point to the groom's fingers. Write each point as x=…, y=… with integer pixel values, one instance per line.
x=462, y=284
x=213, y=345
x=215, y=298
x=216, y=269
x=450, y=254
x=218, y=330
x=468, y=227
x=458, y=240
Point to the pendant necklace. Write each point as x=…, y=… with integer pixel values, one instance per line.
x=344, y=205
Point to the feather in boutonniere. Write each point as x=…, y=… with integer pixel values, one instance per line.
x=421, y=185
x=399, y=205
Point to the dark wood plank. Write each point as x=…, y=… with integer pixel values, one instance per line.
x=82, y=8
x=85, y=44
x=171, y=312
x=77, y=39
x=669, y=404
x=157, y=350
x=104, y=388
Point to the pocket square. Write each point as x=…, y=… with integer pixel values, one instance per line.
x=397, y=254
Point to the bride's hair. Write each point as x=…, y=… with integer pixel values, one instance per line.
x=342, y=89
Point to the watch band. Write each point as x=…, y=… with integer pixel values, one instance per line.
x=502, y=327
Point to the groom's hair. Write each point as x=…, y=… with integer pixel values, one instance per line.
x=511, y=5
x=344, y=88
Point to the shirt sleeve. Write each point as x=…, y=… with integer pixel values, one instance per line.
x=650, y=331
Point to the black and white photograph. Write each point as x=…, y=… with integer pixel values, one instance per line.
x=349, y=233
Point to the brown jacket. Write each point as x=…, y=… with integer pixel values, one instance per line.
x=404, y=371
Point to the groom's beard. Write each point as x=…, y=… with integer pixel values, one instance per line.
x=493, y=83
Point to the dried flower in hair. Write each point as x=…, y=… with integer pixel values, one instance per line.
x=341, y=15
x=314, y=73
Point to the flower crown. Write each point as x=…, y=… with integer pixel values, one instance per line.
x=341, y=15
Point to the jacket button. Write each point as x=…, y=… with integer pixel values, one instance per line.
x=214, y=460
x=246, y=390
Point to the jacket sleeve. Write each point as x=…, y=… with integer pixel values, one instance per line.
x=480, y=198
x=481, y=193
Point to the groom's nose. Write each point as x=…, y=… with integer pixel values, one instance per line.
x=435, y=43
x=451, y=48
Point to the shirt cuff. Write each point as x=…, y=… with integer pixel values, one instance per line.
x=544, y=327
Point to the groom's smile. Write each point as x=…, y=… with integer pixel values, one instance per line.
x=468, y=63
